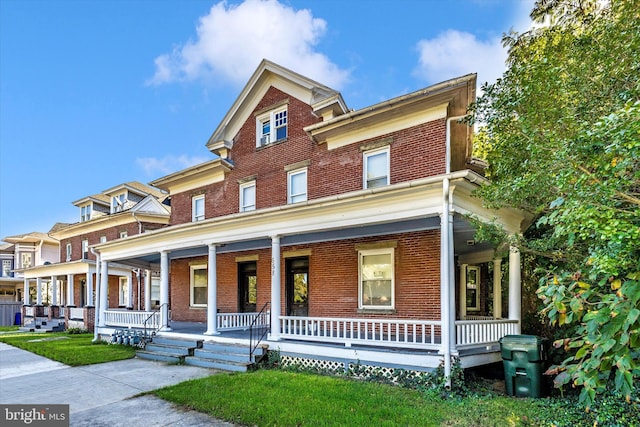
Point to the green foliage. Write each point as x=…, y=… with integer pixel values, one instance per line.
x=562, y=139
x=75, y=331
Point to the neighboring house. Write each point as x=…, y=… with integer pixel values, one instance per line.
x=349, y=227
x=124, y=210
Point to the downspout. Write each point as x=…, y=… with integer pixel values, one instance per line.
x=138, y=221
x=96, y=301
x=447, y=275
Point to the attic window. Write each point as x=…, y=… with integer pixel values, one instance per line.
x=271, y=127
x=85, y=213
x=117, y=203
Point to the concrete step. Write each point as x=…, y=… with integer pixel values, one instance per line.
x=177, y=342
x=159, y=356
x=224, y=365
x=232, y=348
x=168, y=348
x=222, y=356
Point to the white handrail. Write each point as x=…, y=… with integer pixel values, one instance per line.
x=422, y=334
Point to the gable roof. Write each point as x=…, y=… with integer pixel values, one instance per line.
x=150, y=205
x=33, y=237
x=323, y=100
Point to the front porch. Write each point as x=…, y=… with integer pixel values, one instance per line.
x=408, y=344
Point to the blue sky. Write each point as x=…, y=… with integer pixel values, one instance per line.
x=97, y=93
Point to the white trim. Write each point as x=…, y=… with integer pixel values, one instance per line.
x=192, y=269
x=370, y=252
x=365, y=169
x=300, y=197
x=269, y=117
x=123, y=291
x=473, y=286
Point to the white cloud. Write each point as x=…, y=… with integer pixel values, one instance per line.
x=233, y=39
x=456, y=53
x=156, y=167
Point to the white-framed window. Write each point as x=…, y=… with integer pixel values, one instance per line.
x=376, y=168
x=248, y=196
x=6, y=268
x=376, y=278
x=123, y=291
x=197, y=208
x=123, y=234
x=69, y=252
x=198, y=286
x=103, y=239
x=85, y=249
x=117, y=203
x=85, y=213
x=271, y=127
x=473, y=288
x=297, y=186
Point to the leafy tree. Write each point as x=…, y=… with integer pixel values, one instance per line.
x=562, y=139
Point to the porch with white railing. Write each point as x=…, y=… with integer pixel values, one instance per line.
x=133, y=319
x=76, y=313
x=476, y=333
x=241, y=321
x=397, y=333
x=422, y=334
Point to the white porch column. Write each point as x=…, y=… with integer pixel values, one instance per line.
x=497, y=288
x=130, y=291
x=89, y=286
x=147, y=290
x=212, y=293
x=103, y=303
x=164, y=291
x=38, y=291
x=515, y=286
x=54, y=290
x=462, y=300
x=70, y=290
x=25, y=292
x=275, y=288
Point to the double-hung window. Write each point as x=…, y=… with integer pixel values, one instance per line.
x=123, y=292
x=85, y=249
x=69, y=252
x=376, y=168
x=248, y=196
x=376, y=279
x=197, y=208
x=198, y=285
x=6, y=268
x=85, y=213
x=271, y=127
x=297, y=186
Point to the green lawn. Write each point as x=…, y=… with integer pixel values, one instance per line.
x=280, y=398
x=70, y=349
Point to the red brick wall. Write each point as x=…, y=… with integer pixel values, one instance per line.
x=415, y=152
x=333, y=279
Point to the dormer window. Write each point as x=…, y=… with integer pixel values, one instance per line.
x=117, y=203
x=271, y=127
x=85, y=213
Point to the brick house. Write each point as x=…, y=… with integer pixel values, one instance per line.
x=349, y=228
x=124, y=210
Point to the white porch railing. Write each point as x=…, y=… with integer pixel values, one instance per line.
x=471, y=333
x=392, y=333
x=61, y=313
x=128, y=318
x=29, y=311
x=76, y=313
x=240, y=321
x=476, y=317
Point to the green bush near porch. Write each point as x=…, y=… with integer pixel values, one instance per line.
x=70, y=349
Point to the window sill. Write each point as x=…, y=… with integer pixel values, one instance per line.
x=271, y=144
x=376, y=311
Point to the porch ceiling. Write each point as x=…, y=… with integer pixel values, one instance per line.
x=463, y=235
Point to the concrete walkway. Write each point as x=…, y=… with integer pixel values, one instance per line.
x=102, y=394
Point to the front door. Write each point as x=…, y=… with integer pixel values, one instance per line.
x=247, y=287
x=297, y=286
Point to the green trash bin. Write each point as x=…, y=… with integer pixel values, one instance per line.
x=524, y=357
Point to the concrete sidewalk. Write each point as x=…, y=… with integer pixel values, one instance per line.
x=102, y=394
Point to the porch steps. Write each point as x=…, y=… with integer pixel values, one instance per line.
x=169, y=350
x=227, y=357
x=44, y=326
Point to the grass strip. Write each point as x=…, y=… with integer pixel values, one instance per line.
x=70, y=349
